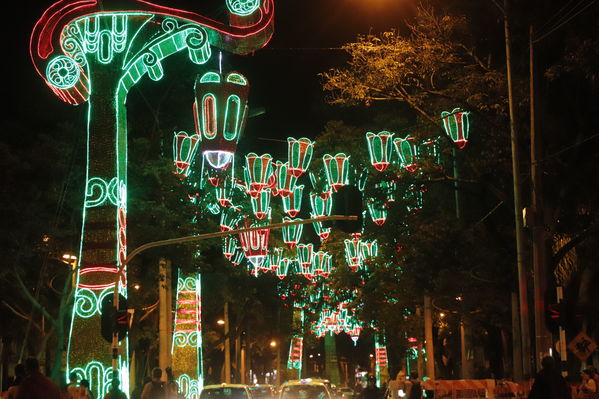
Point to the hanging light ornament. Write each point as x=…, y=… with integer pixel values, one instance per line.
x=275, y=258
x=352, y=253
x=255, y=245
x=229, y=219
x=430, y=148
x=337, y=170
x=406, y=149
x=283, y=269
x=260, y=203
x=457, y=126
x=414, y=196
x=368, y=249
x=237, y=257
x=285, y=181
x=299, y=153
x=380, y=148
x=293, y=233
x=292, y=204
x=184, y=150
x=304, y=257
x=224, y=193
x=230, y=246
x=388, y=188
x=321, y=263
x=362, y=179
x=322, y=205
x=322, y=232
x=257, y=173
x=378, y=212
x=220, y=112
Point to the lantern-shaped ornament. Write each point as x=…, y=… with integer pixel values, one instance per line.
x=304, y=257
x=337, y=170
x=380, y=148
x=406, y=149
x=388, y=188
x=255, y=245
x=293, y=233
x=285, y=180
x=230, y=246
x=229, y=219
x=362, y=179
x=275, y=258
x=260, y=203
x=224, y=193
x=220, y=112
x=430, y=148
x=283, y=269
x=414, y=197
x=368, y=249
x=378, y=212
x=237, y=257
x=322, y=232
x=184, y=150
x=352, y=253
x=257, y=173
x=299, y=152
x=321, y=263
x=322, y=205
x=292, y=204
x=457, y=126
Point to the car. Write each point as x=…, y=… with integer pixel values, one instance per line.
x=345, y=393
x=263, y=391
x=226, y=391
x=305, y=389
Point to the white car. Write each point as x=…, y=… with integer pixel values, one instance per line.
x=226, y=391
x=304, y=389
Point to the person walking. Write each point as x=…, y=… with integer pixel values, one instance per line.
x=171, y=387
x=155, y=388
x=19, y=377
x=415, y=387
x=115, y=390
x=549, y=383
x=371, y=391
x=588, y=383
x=36, y=385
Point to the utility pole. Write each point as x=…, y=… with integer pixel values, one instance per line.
x=542, y=338
x=227, y=346
x=522, y=270
x=428, y=337
x=165, y=313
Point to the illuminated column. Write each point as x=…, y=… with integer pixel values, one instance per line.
x=95, y=52
x=187, y=336
x=380, y=353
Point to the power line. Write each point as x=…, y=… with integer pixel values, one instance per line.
x=567, y=148
x=565, y=19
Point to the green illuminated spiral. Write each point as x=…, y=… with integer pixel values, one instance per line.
x=63, y=72
x=243, y=7
x=86, y=303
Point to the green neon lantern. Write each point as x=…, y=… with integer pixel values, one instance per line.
x=260, y=203
x=304, y=256
x=352, y=253
x=230, y=246
x=368, y=249
x=258, y=171
x=378, y=212
x=184, y=149
x=292, y=204
x=299, y=152
x=406, y=149
x=457, y=126
x=285, y=181
x=321, y=204
x=292, y=234
x=321, y=263
x=283, y=269
x=380, y=148
x=337, y=170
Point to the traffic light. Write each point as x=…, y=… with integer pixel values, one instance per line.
x=555, y=315
x=348, y=201
x=114, y=321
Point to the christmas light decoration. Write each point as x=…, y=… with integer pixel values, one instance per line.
x=388, y=188
x=378, y=212
x=406, y=150
x=260, y=203
x=430, y=148
x=275, y=258
x=322, y=205
x=184, y=149
x=362, y=179
x=368, y=249
x=352, y=253
x=321, y=263
x=224, y=193
x=243, y=7
x=457, y=126
x=292, y=234
x=285, y=181
x=255, y=245
x=380, y=148
x=336, y=169
x=77, y=45
x=295, y=353
x=186, y=341
x=257, y=172
x=220, y=111
x=292, y=204
x=283, y=269
x=380, y=357
x=229, y=219
x=304, y=257
x=414, y=197
x=237, y=257
x=322, y=232
x=230, y=246
x=299, y=153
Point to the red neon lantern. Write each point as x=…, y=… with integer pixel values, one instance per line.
x=255, y=245
x=184, y=150
x=285, y=181
x=380, y=148
x=337, y=170
x=293, y=202
x=299, y=153
x=258, y=171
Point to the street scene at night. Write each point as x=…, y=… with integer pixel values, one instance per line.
x=286, y=199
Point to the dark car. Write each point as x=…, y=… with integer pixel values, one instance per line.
x=262, y=391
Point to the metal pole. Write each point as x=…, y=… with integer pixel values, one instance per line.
x=563, y=351
x=522, y=270
x=428, y=337
x=227, y=346
x=542, y=336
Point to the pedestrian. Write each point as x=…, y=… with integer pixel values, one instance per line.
x=73, y=386
x=371, y=391
x=593, y=371
x=397, y=387
x=171, y=386
x=115, y=391
x=588, y=383
x=549, y=383
x=19, y=376
x=36, y=385
x=415, y=387
x=155, y=388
